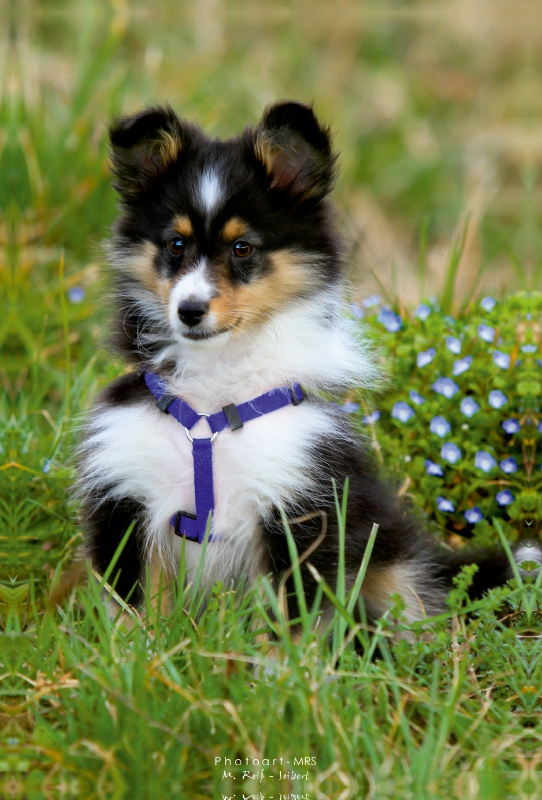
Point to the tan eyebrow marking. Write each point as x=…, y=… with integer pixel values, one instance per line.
x=183, y=225
x=234, y=229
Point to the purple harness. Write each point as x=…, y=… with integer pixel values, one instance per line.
x=193, y=526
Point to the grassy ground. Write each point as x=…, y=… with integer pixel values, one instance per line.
x=92, y=709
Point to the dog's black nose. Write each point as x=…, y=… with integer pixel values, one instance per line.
x=192, y=312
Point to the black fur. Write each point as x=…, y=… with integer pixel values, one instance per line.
x=105, y=522
x=126, y=390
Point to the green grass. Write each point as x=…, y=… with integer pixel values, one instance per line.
x=101, y=711
x=91, y=707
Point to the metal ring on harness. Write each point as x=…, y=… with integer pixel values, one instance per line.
x=200, y=414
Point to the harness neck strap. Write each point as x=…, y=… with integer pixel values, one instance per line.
x=232, y=416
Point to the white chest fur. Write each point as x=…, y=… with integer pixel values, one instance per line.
x=145, y=454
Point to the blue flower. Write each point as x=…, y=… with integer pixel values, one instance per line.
x=357, y=311
x=445, y=505
x=504, y=498
x=497, y=399
x=511, y=425
x=473, y=515
x=76, y=294
x=425, y=357
x=539, y=427
x=509, y=465
x=446, y=387
x=433, y=469
x=390, y=320
x=528, y=348
x=372, y=417
x=502, y=360
x=462, y=365
x=484, y=461
x=440, y=426
x=450, y=452
x=488, y=303
x=454, y=345
x=423, y=311
x=349, y=408
x=469, y=407
x=372, y=300
x=416, y=398
x=47, y=466
x=486, y=332
x=402, y=411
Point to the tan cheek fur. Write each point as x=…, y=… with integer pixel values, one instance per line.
x=381, y=583
x=253, y=302
x=141, y=266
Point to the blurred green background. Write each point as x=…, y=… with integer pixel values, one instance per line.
x=436, y=108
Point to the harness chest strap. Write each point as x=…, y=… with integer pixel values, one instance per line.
x=232, y=416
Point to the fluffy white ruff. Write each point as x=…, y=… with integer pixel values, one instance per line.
x=309, y=341
x=146, y=455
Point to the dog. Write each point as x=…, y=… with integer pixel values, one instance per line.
x=228, y=292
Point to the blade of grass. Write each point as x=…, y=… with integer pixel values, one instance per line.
x=198, y=597
x=116, y=597
x=508, y=551
x=339, y=631
x=356, y=588
x=66, y=326
x=478, y=276
x=122, y=544
x=295, y=570
x=387, y=295
x=422, y=258
x=447, y=297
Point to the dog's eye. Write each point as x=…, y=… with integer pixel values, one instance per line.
x=176, y=245
x=242, y=249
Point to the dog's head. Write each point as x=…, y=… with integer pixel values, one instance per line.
x=217, y=236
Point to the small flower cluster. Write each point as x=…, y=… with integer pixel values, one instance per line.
x=466, y=387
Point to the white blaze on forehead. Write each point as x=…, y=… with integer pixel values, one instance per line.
x=210, y=190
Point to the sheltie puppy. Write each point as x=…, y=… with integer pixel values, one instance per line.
x=228, y=284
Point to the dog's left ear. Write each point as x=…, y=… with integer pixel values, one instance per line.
x=295, y=150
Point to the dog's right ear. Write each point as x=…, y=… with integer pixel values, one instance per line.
x=142, y=146
x=295, y=150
